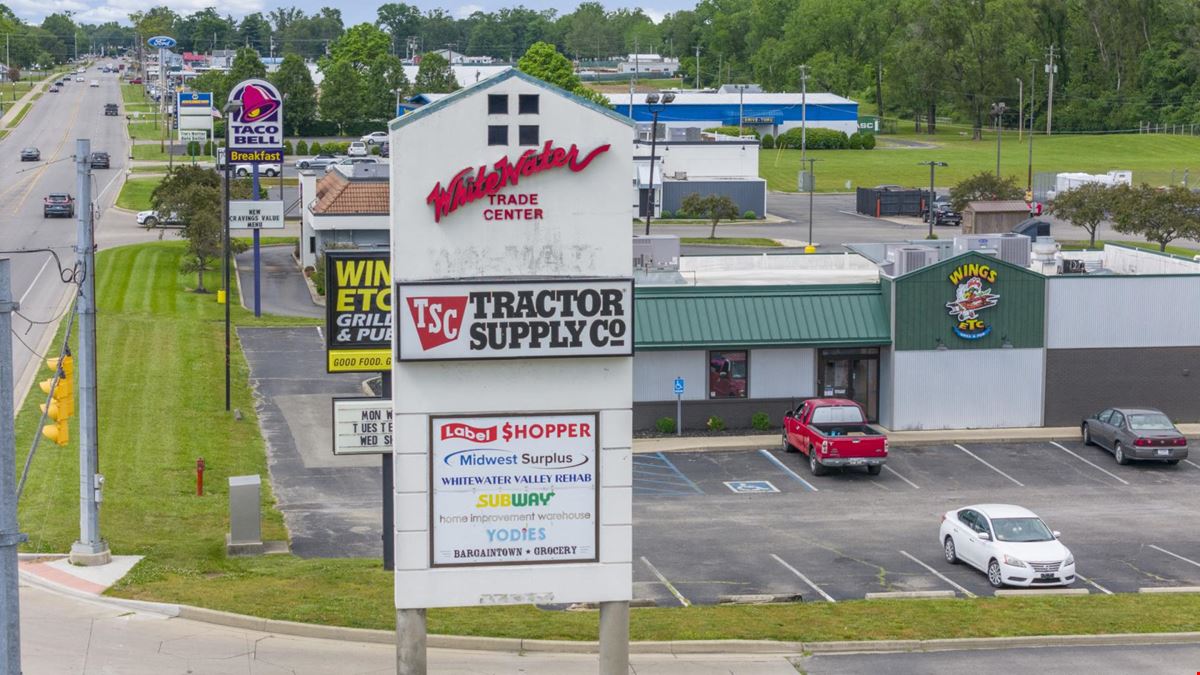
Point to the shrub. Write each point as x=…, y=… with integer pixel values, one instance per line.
x=665, y=214
x=374, y=149
x=287, y=148
x=768, y=142
x=868, y=141
x=760, y=421
x=817, y=139
x=316, y=148
x=749, y=215
x=665, y=425
x=302, y=147
x=733, y=130
x=856, y=141
x=683, y=215
x=715, y=423
x=193, y=148
x=208, y=148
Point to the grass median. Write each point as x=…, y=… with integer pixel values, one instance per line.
x=729, y=241
x=161, y=383
x=135, y=193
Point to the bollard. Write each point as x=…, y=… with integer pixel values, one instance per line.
x=200, y=477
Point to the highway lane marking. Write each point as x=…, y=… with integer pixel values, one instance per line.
x=670, y=587
x=1087, y=580
x=37, y=175
x=33, y=284
x=981, y=461
x=1175, y=555
x=1105, y=471
x=803, y=578
x=888, y=468
x=938, y=574
x=774, y=460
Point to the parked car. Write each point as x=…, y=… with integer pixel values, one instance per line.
x=153, y=219
x=316, y=161
x=136, y=80
x=375, y=138
x=1009, y=544
x=111, y=109
x=385, y=149
x=244, y=170
x=94, y=83
x=943, y=213
x=358, y=149
x=30, y=154
x=1135, y=434
x=58, y=204
x=99, y=160
x=834, y=432
x=351, y=161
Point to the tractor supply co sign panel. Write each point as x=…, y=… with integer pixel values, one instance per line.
x=358, y=311
x=362, y=426
x=504, y=320
x=514, y=490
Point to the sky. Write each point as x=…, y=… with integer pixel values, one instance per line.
x=100, y=11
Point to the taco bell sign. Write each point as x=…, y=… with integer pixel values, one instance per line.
x=256, y=128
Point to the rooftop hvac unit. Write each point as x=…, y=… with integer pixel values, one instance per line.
x=1073, y=266
x=680, y=175
x=656, y=252
x=976, y=242
x=1014, y=248
x=909, y=258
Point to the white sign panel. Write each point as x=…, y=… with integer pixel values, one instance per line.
x=264, y=214
x=189, y=135
x=195, y=122
x=504, y=320
x=362, y=426
x=514, y=489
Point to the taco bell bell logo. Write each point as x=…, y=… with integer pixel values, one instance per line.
x=256, y=127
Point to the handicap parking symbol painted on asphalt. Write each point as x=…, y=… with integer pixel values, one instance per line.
x=750, y=486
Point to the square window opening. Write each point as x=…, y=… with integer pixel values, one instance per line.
x=497, y=104
x=528, y=134
x=497, y=134
x=527, y=104
x=728, y=374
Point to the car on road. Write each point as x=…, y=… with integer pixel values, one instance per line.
x=94, y=83
x=351, y=161
x=111, y=109
x=358, y=149
x=53, y=89
x=153, y=219
x=99, y=160
x=1008, y=543
x=79, y=79
x=1135, y=434
x=136, y=80
x=375, y=138
x=943, y=213
x=58, y=204
x=833, y=432
x=31, y=154
x=316, y=161
x=244, y=170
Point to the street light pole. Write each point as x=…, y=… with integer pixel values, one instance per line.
x=810, y=247
x=998, y=112
x=656, y=103
x=932, y=167
x=230, y=109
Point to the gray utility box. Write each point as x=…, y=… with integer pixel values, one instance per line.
x=245, y=516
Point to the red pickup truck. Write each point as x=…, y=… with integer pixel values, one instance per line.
x=834, y=432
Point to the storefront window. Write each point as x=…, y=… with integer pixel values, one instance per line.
x=728, y=374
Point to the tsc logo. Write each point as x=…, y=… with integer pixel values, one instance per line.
x=437, y=319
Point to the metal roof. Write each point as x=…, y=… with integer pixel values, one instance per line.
x=760, y=316
x=749, y=98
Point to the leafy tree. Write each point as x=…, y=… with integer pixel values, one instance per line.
x=400, y=19
x=713, y=207
x=1161, y=215
x=983, y=187
x=154, y=21
x=194, y=194
x=216, y=82
x=61, y=31
x=246, y=65
x=384, y=78
x=341, y=95
x=434, y=75
x=544, y=62
x=255, y=31
x=295, y=82
x=206, y=30
x=361, y=45
x=1085, y=206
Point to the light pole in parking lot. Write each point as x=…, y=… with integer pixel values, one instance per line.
x=657, y=104
x=932, y=167
x=998, y=112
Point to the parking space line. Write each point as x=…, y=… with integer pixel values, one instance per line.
x=1085, y=461
x=888, y=468
x=938, y=574
x=669, y=463
x=678, y=596
x=1188, y=461
x=1175, y=555
x=775, y=460
x=981, y=461
x=1089, y=581
x=803, y=578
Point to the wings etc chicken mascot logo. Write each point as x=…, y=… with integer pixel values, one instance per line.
x=259, y=103
x=972, y=294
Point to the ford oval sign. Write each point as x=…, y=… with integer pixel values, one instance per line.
x=161, y=42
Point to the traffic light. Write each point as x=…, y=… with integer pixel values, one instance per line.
x=62, y=400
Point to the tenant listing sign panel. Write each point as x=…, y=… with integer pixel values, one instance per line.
x=362, y=426
x=505, y=320
x=256, y=214
x=256, y=128
x=358, y=311
x=514, y=489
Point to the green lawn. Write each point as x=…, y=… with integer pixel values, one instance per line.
x=135, y=193
x=147, y=131
x=133, y=93
x=14, y=90
x=161, y=387
x=20, y=115
x=728, y=241
x=1151, y=157
x=150, y=152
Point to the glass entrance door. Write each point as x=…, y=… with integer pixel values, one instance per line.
x=852, y=374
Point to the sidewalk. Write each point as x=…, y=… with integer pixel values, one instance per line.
x=15, y=106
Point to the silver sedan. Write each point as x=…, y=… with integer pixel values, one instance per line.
x=1135, y=434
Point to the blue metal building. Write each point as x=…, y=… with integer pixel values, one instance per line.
x=768, y=113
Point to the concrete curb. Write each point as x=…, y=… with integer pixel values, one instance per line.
x=1169, y=589
x=903, y=595
x=961, y=644
x=1026, y=592
x=759, y=599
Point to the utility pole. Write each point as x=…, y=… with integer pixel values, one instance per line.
x=998, y=113
x=1032, y=98
x=10, y=536
x=804, y=115
x=91, y=549
x=697, y=67
x=1020, y=108
x=1051, y=69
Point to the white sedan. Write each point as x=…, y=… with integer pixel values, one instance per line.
x=1008, y=543
x=375, y=137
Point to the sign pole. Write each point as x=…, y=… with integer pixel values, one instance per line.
x=679, y=384
x=614, y=638
x=410, y=642
x=257, y=255
x=389, y=530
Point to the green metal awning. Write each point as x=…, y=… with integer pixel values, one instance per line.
x=692, y=317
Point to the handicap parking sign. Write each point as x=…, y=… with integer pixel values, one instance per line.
x=750, y=486
x=679, y=386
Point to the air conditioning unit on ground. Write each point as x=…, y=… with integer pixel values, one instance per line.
x=906, y=259
x=656, y=252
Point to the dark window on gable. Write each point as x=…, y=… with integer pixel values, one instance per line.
x=497, y=134
x=497, y=104
x=527, y=104
x=528, y=134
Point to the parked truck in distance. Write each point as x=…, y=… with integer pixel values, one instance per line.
x=833, y=432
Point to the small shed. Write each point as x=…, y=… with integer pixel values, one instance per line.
x=993, y=216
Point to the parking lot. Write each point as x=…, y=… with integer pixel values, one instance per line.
x=713, y=524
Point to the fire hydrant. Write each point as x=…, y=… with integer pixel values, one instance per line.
x=200, y=477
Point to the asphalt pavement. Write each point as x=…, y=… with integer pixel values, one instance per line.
x=281, y=285
x=1059, y=660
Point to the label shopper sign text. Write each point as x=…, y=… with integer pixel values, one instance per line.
x=531, y=319
x=358, y=311
x=514, y=489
